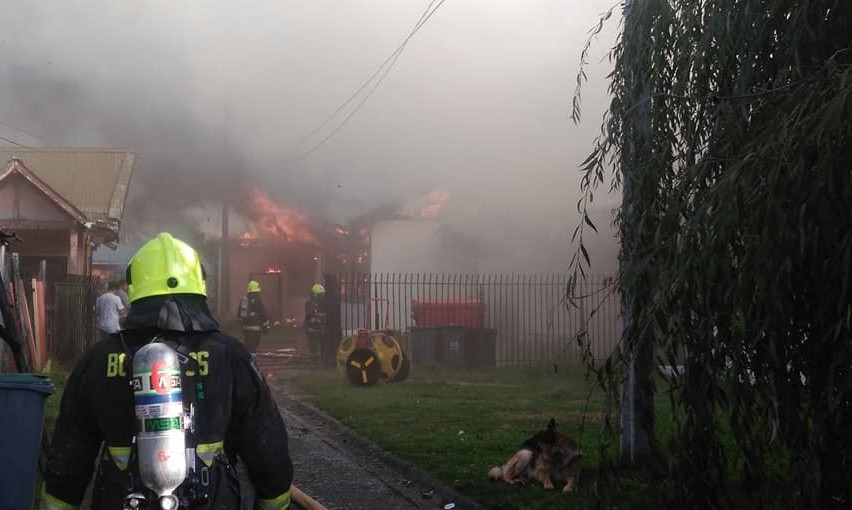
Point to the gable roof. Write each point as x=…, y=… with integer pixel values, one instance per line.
x=94, y=181
x=15, y=167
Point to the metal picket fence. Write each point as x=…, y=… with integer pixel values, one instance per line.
x=521, y=318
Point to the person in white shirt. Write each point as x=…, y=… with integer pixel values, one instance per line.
x=121, y=292
x=110, y=311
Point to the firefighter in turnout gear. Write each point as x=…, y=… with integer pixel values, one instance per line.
x=167, y=405
x=315, y=322
x=252, y=316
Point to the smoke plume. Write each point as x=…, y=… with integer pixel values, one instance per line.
x=214, y=97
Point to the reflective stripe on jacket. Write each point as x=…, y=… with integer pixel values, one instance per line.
x=281, y=502
x=49, y=502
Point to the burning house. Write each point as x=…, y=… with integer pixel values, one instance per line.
x=287, y=251
x=282, y=248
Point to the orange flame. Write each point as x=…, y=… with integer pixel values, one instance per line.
x=427, y=207
x=277, y=221
x=273, y=270
x=247, y=239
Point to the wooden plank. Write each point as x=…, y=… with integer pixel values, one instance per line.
x=37, y=338
x=39, y=329
x=18, y=299
x=73, y=253
x=10, y=322
x=27, y=323
x=5, y=362
x=41, y=316
x=42, y=319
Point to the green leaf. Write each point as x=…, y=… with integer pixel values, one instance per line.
x=589, y=222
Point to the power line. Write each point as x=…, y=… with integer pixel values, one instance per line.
x=385, y=66
x=13, y=142
x=28, y=133
x=366, y=83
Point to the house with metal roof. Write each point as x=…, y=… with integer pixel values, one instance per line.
x=63, y=203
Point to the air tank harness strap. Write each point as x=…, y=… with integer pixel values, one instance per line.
x=196, y=397
x=197, y=476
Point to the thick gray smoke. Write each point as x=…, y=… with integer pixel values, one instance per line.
x=213, y=96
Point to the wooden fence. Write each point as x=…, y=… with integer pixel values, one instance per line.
x=73, y=319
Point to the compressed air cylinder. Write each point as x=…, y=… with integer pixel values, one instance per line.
x=160, y=438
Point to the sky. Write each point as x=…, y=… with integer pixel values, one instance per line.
x=216, y=96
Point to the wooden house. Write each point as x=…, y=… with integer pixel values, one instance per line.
x=63, y=204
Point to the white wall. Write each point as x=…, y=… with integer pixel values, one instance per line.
x=418, y=246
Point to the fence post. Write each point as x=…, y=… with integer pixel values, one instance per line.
x=334, y=329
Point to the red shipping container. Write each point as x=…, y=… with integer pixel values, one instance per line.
x=467, y=312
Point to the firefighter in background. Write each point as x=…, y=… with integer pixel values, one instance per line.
x=315, y=322
x=234, y=411
x=252, y=316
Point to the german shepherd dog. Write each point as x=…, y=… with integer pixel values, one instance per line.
x=549, y=456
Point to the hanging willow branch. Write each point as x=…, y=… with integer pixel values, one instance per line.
x=739, y=241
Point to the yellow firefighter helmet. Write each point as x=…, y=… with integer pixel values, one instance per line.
x=165, y=265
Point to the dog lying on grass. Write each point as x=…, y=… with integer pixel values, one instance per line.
x=549, y=456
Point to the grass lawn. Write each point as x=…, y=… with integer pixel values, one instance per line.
x=456, y=424
x=58, y=376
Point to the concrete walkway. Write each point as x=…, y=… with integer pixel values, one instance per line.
x=342, y=470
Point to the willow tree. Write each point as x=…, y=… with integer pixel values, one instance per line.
x=730, y=124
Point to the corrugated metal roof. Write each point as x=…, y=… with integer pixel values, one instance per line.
x=17, y=167
x=95, y=181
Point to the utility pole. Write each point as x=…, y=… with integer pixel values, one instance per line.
x=224, y=244
x=224, y=265
x=636, y=397
x=3, y=278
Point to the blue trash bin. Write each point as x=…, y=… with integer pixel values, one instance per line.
x=22, y=399
x=452, y=352
x=424, y=342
